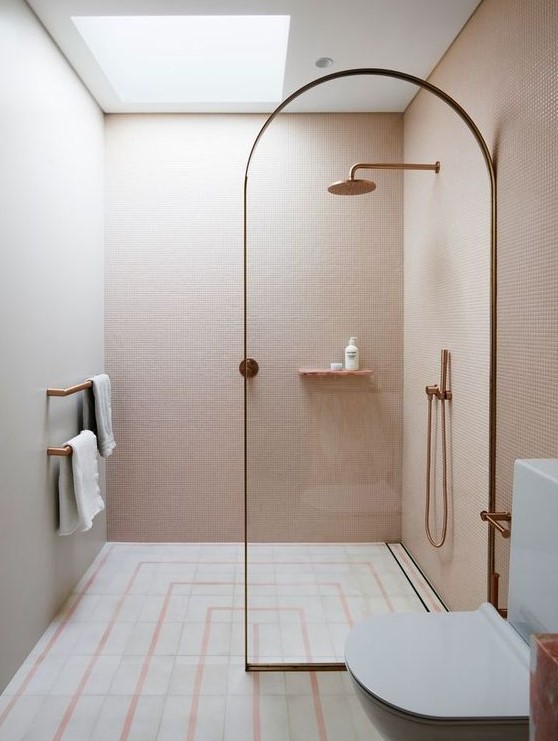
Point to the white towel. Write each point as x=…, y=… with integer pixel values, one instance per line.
x=102, y=424
x=78, y=486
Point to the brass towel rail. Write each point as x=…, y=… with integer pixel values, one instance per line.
x=66, y=450
x=70, y=390
x=493, y=519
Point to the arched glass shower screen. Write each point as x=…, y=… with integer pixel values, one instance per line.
x=354, y=394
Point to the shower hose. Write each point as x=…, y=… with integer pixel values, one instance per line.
x=443, y=395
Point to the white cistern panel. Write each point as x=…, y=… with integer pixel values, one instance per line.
x=533, y=594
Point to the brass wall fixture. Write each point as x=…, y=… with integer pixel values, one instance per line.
x=443, y=394
x=483, y=146
x=357, y=186
x=249, y=368
x=66, y=450
x=494, y=519
x=71, y=390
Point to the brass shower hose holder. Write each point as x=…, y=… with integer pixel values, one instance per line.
x=435, y=391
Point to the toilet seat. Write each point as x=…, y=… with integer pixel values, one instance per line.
x=451, y=667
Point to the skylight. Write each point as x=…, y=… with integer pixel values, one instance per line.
x=175, y=59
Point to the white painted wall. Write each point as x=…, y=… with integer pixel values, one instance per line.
x=51, y=316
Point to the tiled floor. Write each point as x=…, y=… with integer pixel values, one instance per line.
x=304, y=599
x=150, y=646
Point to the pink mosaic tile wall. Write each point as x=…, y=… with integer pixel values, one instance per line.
x=447, y=302
x=502, y=69
x=324, y=455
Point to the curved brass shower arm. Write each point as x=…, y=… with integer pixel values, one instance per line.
x=391, y=166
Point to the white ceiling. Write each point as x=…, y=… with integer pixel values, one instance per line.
x=406, y=35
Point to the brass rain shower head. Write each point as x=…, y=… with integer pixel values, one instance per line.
x=355, y=187
x=352, y=187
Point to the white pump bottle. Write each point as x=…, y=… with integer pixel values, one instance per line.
x=352, y=355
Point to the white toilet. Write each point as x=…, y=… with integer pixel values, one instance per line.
x=461, y=676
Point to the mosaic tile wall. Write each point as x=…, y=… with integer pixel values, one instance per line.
x=503, y=70
x=447, y=302
x=324, y=455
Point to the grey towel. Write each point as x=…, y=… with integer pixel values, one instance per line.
x=78, y=486
x=97, y=415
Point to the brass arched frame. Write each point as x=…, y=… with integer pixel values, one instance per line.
x=462, y=113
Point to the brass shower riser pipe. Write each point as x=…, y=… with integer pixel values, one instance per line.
x=391, y=166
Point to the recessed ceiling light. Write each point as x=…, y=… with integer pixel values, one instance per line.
x=323, y=62
x=169, y=59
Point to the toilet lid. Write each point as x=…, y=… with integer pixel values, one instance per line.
x=455, y=665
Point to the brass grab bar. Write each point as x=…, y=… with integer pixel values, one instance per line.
x=493, y=519
x=66, y=450
x=70, y=390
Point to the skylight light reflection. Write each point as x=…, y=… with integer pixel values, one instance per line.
x=184, y=59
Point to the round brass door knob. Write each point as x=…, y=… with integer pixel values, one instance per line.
x=248, y=368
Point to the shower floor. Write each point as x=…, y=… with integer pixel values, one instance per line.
x=151, y=644
x=304, y=599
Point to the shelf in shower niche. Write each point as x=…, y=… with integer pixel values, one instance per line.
x=327, y=372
